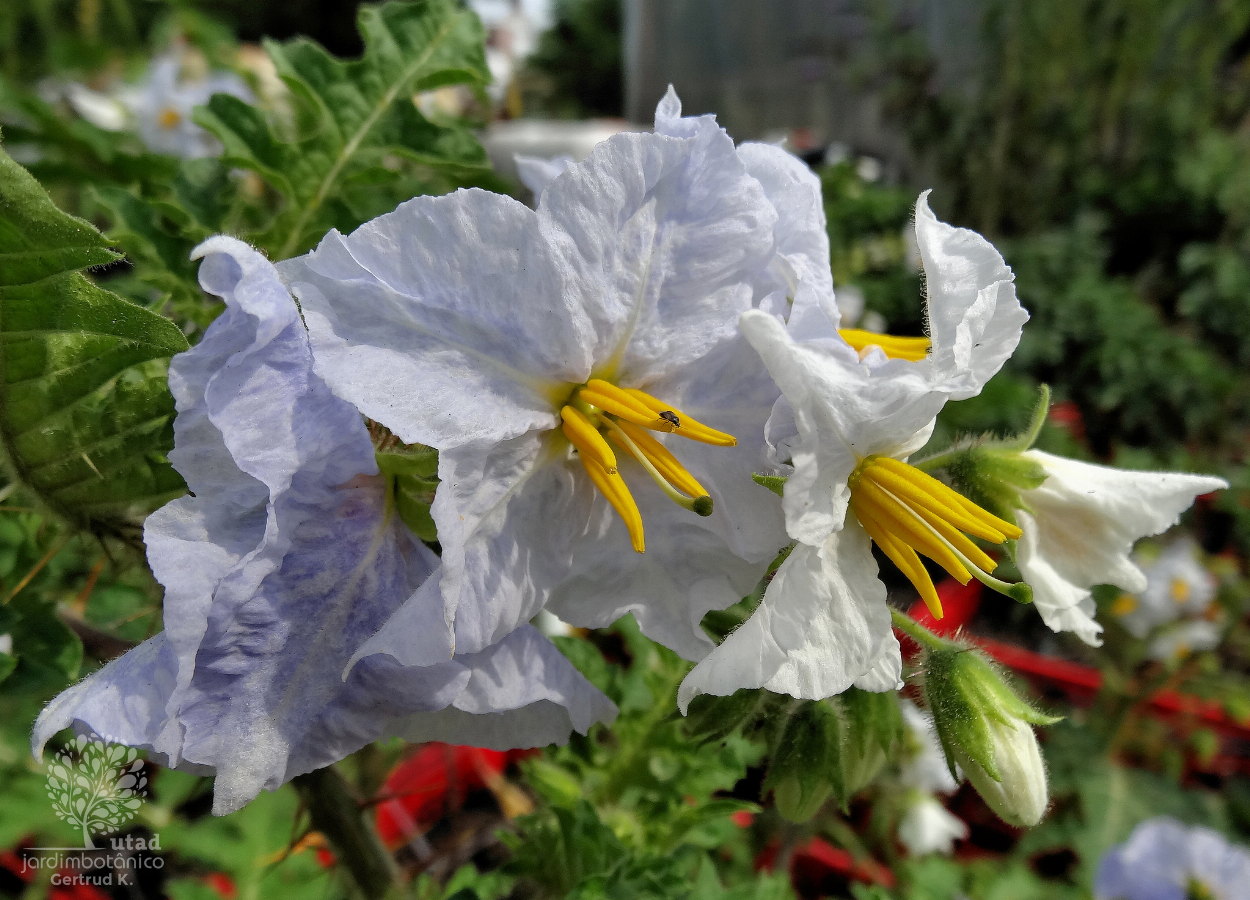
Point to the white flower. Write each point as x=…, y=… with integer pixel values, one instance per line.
x=929, y=827
x=1177, y=584
x=843, y=428
x=1019, y=796
x=162, y=102
x=1178, y=641
x=520, y=342
x=1080, y=526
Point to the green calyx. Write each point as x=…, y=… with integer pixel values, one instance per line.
x=831, y=748
x=411, y=473
x=965, y=693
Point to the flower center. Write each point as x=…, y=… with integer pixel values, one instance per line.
x=168, y=118
x=912, y=348
x=906, y=512
x=599, y=411
x=1180, y=591
x=1124, y=605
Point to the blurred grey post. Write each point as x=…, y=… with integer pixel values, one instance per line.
x=809, y=70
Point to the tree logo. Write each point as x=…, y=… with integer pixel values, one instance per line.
x=96, y=786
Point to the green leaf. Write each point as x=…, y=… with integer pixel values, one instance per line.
x=355, y=118
x=85, y=413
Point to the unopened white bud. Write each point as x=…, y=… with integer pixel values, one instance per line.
x=1019, y=796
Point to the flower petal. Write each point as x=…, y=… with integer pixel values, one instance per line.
x=536, y=173
x=974, y=316
x=1085, y=519
x=821, y=624
x=661, y=238
x=842, y=411
x=446, y=320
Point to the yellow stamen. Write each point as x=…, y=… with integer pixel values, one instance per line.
x=1180, y=590
x=902, y=556
x=685, y=426
x=911, y=348
x=700, y=503
x=613, y=487
x=168, y=118
x=612, y=400
x=586, y=438
x=660, y=456
x=908, y=512
x=952, y=499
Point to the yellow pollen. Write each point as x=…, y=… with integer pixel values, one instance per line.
x=912, y=348
x=599, y=410
x=169, y=118
x=907, y=513
x=1180, y=590
x=1123, y=605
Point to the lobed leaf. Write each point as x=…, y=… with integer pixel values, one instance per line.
x=356, y=117
x=85, y=414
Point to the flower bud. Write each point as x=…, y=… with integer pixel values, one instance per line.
x=986, y=729
x=872, y=723
x=712, y=718
x=805, y=766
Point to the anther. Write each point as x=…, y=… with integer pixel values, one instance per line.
x=583, y=435
x=700, y=505
x=909, y=348
x=686, y=426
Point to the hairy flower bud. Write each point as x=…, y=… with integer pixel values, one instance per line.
x=986, y=729
x=805, y=766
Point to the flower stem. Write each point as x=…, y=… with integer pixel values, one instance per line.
x=336, y=814
x=917, y=632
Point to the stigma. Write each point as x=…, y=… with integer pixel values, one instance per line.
x=907, y=513
x=909, y=348
x=601, y=419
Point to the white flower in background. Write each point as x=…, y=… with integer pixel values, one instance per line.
x=553, y=357
x=159, y=106
x=162, y=102
x=1163, y=859
x=6, y=643
x=1177, y=585
x=1177, y=641
x=848, y=420
x=1079, y=529
x=927, y=825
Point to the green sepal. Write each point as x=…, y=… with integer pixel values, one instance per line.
x=805, y=765
x=964, y=692
x=775, y=483
x=712, y=718
x=873, y=729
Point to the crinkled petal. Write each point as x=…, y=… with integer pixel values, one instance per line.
x=255, y=429
x=1085, y=519
x=801, y=234
x=662, y=238
x=536, y=173
x=1062, y=605
x=842, y=413
x=447, y=320
x=822, y=623
x=974, y=316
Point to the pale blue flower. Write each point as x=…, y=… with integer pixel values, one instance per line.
x=161, y=104
x=470, y=323
x=285, y=558
x=1164, y=859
